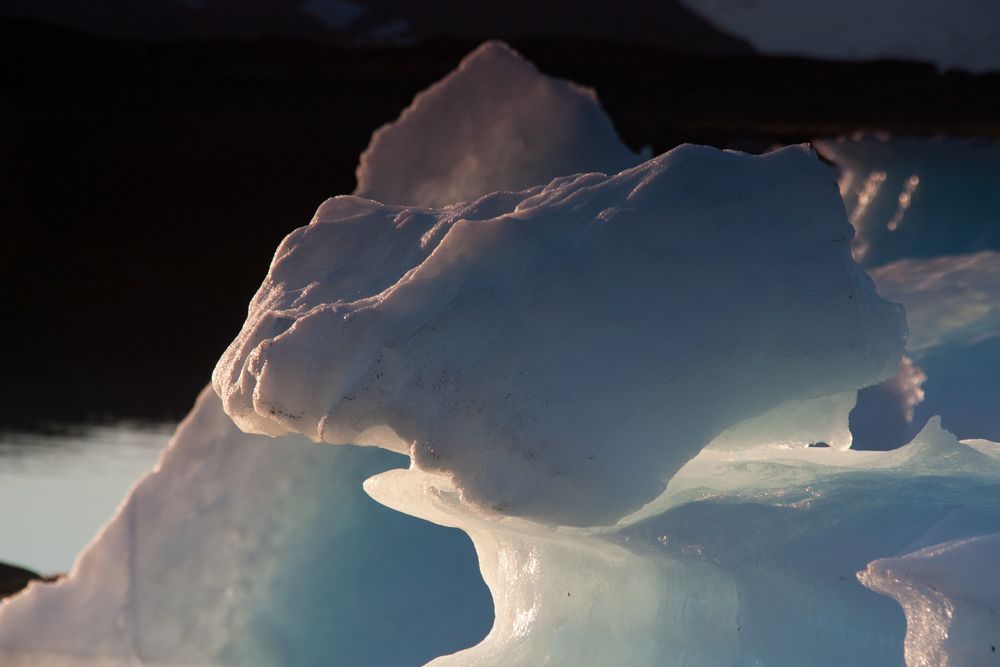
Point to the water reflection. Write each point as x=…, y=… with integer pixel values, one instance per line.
x=57, y=489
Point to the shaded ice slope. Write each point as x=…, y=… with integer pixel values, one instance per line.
x=241, y=550
x=561, y=352
x=511, y=128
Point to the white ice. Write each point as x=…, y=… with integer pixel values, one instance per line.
x=949, y=593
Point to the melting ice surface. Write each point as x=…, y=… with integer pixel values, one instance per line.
x=608, y=383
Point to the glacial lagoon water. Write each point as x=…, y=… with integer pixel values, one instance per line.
x=58, y=489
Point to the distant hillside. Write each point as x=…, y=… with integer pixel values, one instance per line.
x=663, y=23
x=955, y=34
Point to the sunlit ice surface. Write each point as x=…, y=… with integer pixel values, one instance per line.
x=648, y=497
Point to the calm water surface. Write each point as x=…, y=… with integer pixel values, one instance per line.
x=56, y=491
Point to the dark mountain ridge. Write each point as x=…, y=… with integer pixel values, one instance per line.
x=663, y=23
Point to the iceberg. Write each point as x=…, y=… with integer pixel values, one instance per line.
x=562, y=351
x=755, y=532
x=514, y=128
x=611, y=382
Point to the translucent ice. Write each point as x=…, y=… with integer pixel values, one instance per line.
x=796, y=423
x=950, y=593
x=748, y=558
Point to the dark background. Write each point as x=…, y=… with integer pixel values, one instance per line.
x=149, y=169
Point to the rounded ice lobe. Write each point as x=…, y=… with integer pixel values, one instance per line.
x=563, y=351
x=950, y=593
x=495, y=123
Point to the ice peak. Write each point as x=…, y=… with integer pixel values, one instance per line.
x=495, y=123
x=494, y=53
